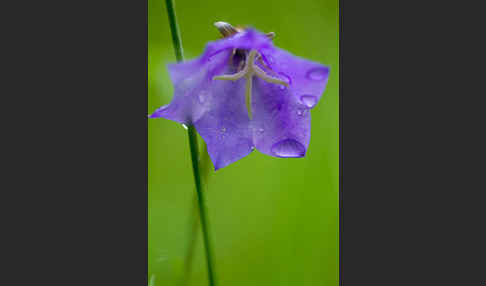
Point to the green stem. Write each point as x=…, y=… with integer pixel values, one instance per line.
x=193, y=145
x=204, y=167
x=174, y=28
x=201, y=203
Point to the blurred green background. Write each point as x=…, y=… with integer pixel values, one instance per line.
x=273, y=221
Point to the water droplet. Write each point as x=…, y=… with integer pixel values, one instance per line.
x=308, y=100
x=270, y=59
x=185, y=126
x=201, y=97
x=318, y=73
x=223, y=130
x=261, y=130
x=301, y=112
x=282, y=87
x=288, y=148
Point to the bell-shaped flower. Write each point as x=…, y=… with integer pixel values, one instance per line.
x=244, y=93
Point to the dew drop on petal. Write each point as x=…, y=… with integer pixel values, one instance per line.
x=270, y=59
x=301, y=112
x=201, y=97
x=308, y=100
x=317, y=73
x=288, y=148
x=259, y=130
x=185, y=126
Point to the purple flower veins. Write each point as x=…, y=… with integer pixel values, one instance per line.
x=244, y=93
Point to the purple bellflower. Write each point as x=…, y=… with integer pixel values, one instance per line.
x=244, y=93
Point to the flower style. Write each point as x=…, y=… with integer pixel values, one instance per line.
x=244, y=93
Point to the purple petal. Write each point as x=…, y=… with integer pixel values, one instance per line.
x=307, y=80
x=281, y=124
x=192, y=83
x=215, y=107
x=248, y=40
x=225, y=128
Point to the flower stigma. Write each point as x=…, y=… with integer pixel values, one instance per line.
x=249, y=70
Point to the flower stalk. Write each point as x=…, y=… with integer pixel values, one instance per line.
x=193, y=145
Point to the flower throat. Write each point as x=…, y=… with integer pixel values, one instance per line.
x=246, y=62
